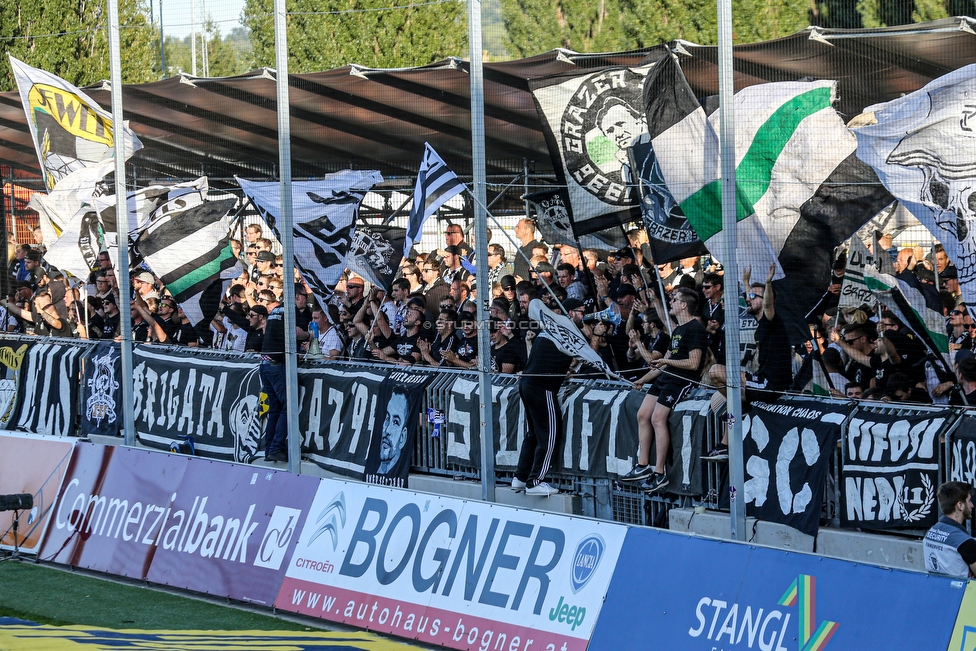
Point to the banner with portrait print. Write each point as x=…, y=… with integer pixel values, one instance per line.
x=401, y=398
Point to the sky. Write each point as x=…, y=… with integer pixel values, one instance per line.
x=176, y=14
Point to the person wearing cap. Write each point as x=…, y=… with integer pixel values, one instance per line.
x=47, y=318
x=947, y=547
x=162, y=324
x=452, y=265
x=257, y=318
x=144, y=284
x=272, y=372
x=110, y=317
x=263, y=265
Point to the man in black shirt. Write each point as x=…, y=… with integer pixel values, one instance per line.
x=674, y=375
x=539, y=388
x=273, y=383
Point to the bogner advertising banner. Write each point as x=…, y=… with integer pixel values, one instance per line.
x=787, y=445
x=214, y=401
x=891, y=470
x=34, y=465
x=190, y=523
x=450, y=573
x=338, y=409
x=759, y=599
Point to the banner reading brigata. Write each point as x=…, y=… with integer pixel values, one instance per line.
x=179, y=394
x=891, y=470
x=446, y=572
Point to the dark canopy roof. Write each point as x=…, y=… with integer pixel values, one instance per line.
x=368, y=118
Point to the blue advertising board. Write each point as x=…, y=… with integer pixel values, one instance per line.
x=671, y=591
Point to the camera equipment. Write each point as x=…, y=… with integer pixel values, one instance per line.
x=16, y=502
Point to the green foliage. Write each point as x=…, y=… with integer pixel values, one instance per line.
x=227, y=56
x=70, y=39
x=360, y=31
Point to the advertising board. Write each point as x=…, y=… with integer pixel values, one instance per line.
x=463, y=575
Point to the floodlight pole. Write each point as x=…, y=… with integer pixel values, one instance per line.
x=479, y=181
x=287, y=237
x=730, y=263
x=121, y=224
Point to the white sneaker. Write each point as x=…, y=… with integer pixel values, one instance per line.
x=518, y=485
x=542, y=489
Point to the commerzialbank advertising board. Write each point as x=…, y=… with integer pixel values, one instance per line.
x=448, y=572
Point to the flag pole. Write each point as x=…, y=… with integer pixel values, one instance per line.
x=607, y=371
x=121, y=225
x=733, y=373
x=486, y=404
x=287, y=236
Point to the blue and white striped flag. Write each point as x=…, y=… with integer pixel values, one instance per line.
x=436, y=185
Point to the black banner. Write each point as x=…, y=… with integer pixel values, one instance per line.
x=338, y=408
x=49, y=391
x=215, y=402
x=101, y=395
x=395, y=428
x=687, y=423
x=787, y=446
x=890, y=472
x=13, y=355
x=962, y=451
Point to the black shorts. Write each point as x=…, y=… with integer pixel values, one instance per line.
x=670, y=390
x=758, y=387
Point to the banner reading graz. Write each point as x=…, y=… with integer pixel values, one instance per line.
x=787, y=445
x=338, y=408
x=890, y=472
x=50, y=385
x=177, y=394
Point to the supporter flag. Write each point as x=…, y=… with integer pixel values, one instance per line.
x=70, y=130
x=812, y=378
x=922, y=146
x=906, y=302
x=436, y=185
x=190, y=252
x=375, y=253
x=800, y=189
x=563, y=332
x=324, y=215
x=590, y=119
x=76, y=250
x=553, y=219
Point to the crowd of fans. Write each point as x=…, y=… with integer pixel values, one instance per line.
x=428, y=317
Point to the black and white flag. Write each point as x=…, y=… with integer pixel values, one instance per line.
x=787, y=446
x=13, y=354
x=189, y=250
x=890, y=472
x=50, y=389
x=590, y=120
x=436, y=185
x=922, y=148
x=101, y=396
x=962, y=451
x=554, y=221
x=324, y=215
x=375, y=253
x=567, y=337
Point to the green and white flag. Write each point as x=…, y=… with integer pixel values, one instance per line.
x=800, y=189
x=906, y=302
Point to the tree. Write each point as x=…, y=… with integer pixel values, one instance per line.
x=331, y=34
x=227, y=56
x=70, y=39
